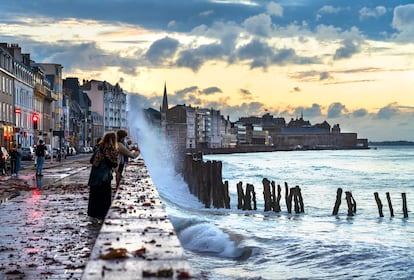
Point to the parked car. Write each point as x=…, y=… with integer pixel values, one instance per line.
x=28, y=153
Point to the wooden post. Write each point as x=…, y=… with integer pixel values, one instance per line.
x=294, y=194
x=267, y=195
x=351, y=203
x=240, y=196
x=205, y=185
x=273, y=196
x=254, y=198
x=390, y=204
x=405, y=210
x=247, y=198
x=379, y=204
x=300, y=198
x=226, y=195
x=276, y=198
x=337, y=202
x=279, y=196
x=288, y=198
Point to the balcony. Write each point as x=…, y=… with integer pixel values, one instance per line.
x=41, y=90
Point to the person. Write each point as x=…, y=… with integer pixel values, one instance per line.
x=97, y=144
x=19, y=158
x=124, y=154
x=40, y=157
x=14, y=155
x=100, y=196
x=2, y=163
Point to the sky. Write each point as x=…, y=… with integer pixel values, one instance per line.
x=349, y=62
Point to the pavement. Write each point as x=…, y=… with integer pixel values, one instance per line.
x=45, y=231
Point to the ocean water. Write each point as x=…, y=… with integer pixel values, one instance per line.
x=235, y=244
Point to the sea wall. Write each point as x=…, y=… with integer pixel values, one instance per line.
x=137, y=240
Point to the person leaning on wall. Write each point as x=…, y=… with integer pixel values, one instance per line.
x=124, y=154
x=103, y=160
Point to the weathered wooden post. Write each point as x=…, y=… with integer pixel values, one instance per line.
x=379, y=204
x=205, y=184
x=276, y=199
x=405, y=210
x=288, y=198
x=226, y=195
x=216, y=184
x=240, y=196
x=390, y=204
x=273, y=196
x=267, y=195
x=247, y=205
x=337, y=202
x=300, y=198
x=294, y=194
x=279, y=197
x=351, y=203
x=254, y=198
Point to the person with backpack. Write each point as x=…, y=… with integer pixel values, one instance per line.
x=40, y=157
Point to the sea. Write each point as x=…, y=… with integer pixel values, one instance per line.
x=254, y=244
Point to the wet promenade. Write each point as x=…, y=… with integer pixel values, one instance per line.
x=46, y=234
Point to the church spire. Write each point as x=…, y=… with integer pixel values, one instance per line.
x=164, y=99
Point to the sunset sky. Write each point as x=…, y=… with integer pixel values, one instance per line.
x=346, y=61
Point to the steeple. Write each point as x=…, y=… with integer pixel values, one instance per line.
x=164, y=107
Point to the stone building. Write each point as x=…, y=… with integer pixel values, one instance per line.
x=110, y=101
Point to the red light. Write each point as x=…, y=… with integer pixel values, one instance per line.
x=35, y=117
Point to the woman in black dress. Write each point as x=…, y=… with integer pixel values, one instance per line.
x=100, y=196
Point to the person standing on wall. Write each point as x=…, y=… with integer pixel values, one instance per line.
x=103, y=160
x=124, y=154
x=40, y=157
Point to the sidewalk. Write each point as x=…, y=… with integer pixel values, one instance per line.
x=46, y=233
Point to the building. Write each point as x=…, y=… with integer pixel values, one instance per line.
x=109, y=101
x=80, y=123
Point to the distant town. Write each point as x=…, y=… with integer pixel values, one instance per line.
x=201, y=129
x=37, y=103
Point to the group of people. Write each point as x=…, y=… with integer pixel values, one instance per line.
x=111, y=153
x=16, y=154
x=15, y=160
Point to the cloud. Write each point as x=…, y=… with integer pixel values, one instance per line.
x=327, y=9
x=259, y=25
x=403, y=22
x=161, y=50
x=274, y=9
x=85, y=56
x=366, y=12
x=388, y=111
x=309, y=112
x=195, y=58
x=336, y=110
x=360, y=113
x=348, y=49
x=211, y=90
x=324, y=76
x=246, y=94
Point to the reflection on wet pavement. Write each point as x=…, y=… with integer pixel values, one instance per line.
x=46, y=233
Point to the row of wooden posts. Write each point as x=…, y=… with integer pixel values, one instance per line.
x=205, y=182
